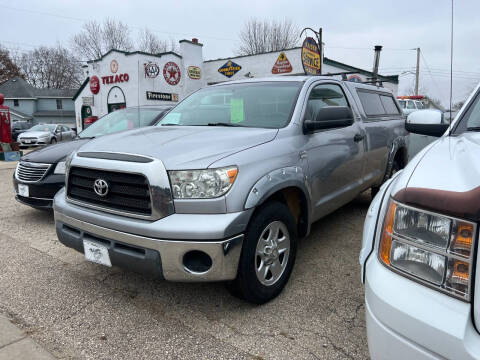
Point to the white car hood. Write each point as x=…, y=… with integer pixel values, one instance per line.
x=447, y=177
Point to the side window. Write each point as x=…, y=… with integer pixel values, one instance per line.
x=64, y=128
x=322, y=96
x=410, y=105
x=371, y=103
x=389, y=105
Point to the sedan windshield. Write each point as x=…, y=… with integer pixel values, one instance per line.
x=125, y=119
x=262, y=104
x=44, y=127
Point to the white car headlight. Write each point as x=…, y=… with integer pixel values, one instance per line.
x=202, y=184
x=60, y=168
x=435, y=249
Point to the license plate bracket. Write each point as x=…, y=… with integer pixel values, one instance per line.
x=96, y=253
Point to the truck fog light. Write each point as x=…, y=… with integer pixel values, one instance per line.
x=418, y=262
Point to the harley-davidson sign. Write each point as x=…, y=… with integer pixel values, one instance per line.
x=171, y=73
x=151, y=70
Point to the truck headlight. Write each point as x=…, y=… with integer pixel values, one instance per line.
x=435, y=249
x=202, y=184
x=60, y=168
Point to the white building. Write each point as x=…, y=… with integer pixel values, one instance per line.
x=120, y=79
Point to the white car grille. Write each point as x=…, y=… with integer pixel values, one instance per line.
x=31, y=172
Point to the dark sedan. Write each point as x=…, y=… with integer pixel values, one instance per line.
x=41, y=173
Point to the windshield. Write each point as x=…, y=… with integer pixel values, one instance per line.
x=470, y=121
x=44, y=127
x=125, y=119
x=264, y=105
x=402, y=104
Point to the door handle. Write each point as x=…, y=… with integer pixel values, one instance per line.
x=358, y=137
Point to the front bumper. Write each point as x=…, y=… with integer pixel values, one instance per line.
x=41, y=193
x=157, y=247
x=406, y=320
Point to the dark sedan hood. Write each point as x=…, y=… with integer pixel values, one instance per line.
x=183, y=147
x=52, y=154
x=447, y=178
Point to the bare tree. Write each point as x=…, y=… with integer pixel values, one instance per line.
x=8, y=67
x=95, y=39
x=51, y=67
x=260, y=36
x=151, y=43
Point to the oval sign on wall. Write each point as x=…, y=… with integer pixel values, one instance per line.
x=311, y=59
x=171, y=73
x=114, y=66
x=94, y=84
x=194, y=72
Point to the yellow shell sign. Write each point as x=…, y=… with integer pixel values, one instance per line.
x=194, y=72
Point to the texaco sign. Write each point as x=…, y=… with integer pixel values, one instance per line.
x=171, y=73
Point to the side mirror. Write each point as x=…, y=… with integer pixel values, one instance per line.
x=328, y=118
x=426, y=122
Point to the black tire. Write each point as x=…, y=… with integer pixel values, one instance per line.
x=396, y=166
x=53, y=141
x=247, y=286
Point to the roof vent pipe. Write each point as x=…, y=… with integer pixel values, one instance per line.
x=376, y=61
x=195, y=40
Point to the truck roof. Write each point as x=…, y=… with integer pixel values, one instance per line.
x=303, y=78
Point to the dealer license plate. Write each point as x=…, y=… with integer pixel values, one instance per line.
x=23, y=190
x=96, y=253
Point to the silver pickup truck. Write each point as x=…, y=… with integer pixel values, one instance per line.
x=224, y=186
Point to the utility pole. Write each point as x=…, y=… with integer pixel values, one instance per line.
x=417, y=73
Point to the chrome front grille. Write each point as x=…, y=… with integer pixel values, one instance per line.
x=31, y=172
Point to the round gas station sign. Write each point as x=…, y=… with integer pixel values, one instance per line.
x=94, y=84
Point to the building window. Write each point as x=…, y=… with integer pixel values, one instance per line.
x=59, y=104
x=15, y=102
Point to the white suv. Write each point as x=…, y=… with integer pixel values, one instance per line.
x=409, y=106
x=419, y=247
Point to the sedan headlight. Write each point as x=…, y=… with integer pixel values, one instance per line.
x=202, y=184
x=435, y=249
x=60, y=168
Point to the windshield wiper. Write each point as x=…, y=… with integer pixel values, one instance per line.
x=473, y=128
x=167, y=124
x=224, y=124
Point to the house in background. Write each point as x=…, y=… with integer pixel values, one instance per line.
x=38, y=106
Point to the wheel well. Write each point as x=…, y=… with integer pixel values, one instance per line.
x=401, y=157
x=296, y=202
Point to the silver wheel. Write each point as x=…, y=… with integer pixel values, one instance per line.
x=273, y=250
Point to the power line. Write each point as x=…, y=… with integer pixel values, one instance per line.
x=86, y=20
x=433, y=79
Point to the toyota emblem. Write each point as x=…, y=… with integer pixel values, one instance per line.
x=100, y=187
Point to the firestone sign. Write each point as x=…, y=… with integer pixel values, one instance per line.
x=113, y=79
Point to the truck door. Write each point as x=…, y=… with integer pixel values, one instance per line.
x=335, y=156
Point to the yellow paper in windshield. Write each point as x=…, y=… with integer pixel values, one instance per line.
x=236, y=110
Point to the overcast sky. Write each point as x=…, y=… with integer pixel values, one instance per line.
x=351, y=29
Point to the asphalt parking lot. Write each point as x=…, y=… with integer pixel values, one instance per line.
x=80, y=310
